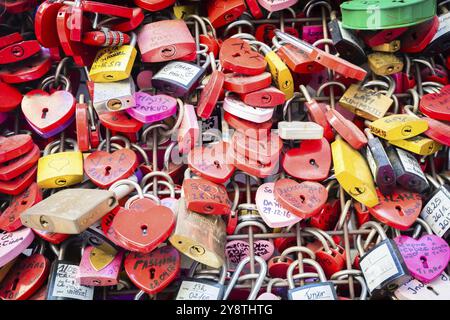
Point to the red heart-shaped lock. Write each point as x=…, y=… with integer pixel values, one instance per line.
x=152, y=272
x=25, y=278
x=210, y=94
x=302, y=199
x=105, y=168
x=311, y=161
x=54, y=238
x=143, y=229
x=14, y=146
x=437, y=131
x=48, y=111
x=210, y=162
x=10, y=218
x=236, y=55
x=10, y=97
x=120, y=122
x=19, y=184
x=328, y=216
x=436, y=105
x=399, y=209
x=204, y=196
x=250, y=129
x=19, y=165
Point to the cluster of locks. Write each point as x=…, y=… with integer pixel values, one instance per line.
x=224, y=149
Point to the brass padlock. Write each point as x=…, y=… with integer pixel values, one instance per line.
x=398, y=127
x=384, y=63
x=353, y=173
x=114, y=63
x=114, y=96
x=419, y=145
x=69, y=211
x=62, y=169
x=392, y=46
x=368, y=103
x=200, y=237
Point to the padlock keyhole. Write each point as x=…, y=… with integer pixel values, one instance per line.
x=44, y=113
x=107, y=170
x=152, y=273
x=424, y=262
x=400, y=211
x=144, y=229
x=217, y=164
x=313, y=163
x=302, y=198
x=23, y=202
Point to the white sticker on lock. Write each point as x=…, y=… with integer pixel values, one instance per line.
x=410, y=163
x=192, y=290
x=66, y=284
x=297, y=130
x=378, y=266
x=438, y=289
x=240, y=109
x=314, y=292
x=437, y=212
x=180, y=72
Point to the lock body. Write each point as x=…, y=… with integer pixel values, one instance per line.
x=200, y=289
x=60, y=170
x=380, y=166
x=436, y=212
x=318, y=291
x=113, y=64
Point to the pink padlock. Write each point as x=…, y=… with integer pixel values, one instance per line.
x=276, y=5
x=151, y=109
x=12, y=244
x=189, y=130
x=99, y=268
x=312, y=33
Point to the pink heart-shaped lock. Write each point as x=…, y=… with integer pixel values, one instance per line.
x=237, y=250
x=426, y=258
x=12, y=244
x=273, y=214
x=150, y=108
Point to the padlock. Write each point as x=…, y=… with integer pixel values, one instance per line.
x=10, y=97
x=374, y=263
x=13, y=244
x=62, y=283
x=264, y=149
x=388, y=15
x=322, y=290
x=407, y=170
x=379, y=164
x=367, y=103
x=200, y=237
x=416, y=38
x=69, y=211
x=197, y=288
x=27, y=275
x=62, y=169
x=157, y=44
x=189, y=131
x=346, y=129
x=425, y=257
x=383, y=63
x=404, y=80
x=210, y=94
x=413, y=289
x=238, y=108
x=353, y=173
x=237, y=55
x=297, y=130
x=222, y=12
x=434, y=105
x=206, y=197
x=149, y=109
x=392, y=46
x=398, y=127
x=154, y=5
x=268, y=295
x=349, y=46
x=178, y=78
x=259, y=281
x=276, y=5
x=436, y=211
x=418, y=145
x=113, y=96
x=243, y=84
x=14, y=146
x=440, y=39
x=269, y=97
x=99, y=266
x=114, y=63
x=314, y=32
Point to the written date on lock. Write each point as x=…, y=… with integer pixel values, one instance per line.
x=225, y=309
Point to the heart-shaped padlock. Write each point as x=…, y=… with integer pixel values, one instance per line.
x=26, y=277
x=426, y=258
x=436, y=105
x=151, y=109
x=14, y=146
x=10, y=97
x=154, y=271
x=120, y=121
x=12, y=244
x=311, y=161
x=236, y=250
x=273, y=214
x=237, y=55
x=304, y=199
x=206, y=197
x=18, y=184
x=47, y=112
x=105, y=168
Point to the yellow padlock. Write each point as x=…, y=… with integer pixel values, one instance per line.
x=282, y=76
x=398, y=127
x=353, y=173
x=62, y=169
x=114, y=63
x=392, y=46
x=384, y=63
x=183, y=11
x=420, y=145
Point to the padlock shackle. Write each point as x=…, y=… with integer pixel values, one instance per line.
x=312, y=4
x=223, y=272
x=138, y=148
x=168, y=132
x=330, y=84
x=137, y=196
x=244, y=224
x=258, y=284
x=160, y=182
x=127, y=182
x=297, y=249
x=307, y=261
x=316, y=234
x=425, y=63
x=238, y=23
x=199, y=20
x=152, y=174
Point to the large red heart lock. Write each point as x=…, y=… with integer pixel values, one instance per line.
x=20, y=183
x=10, y=97
x=105, y=168
x=46, y=111
x=10, y=218
x=304, y=199
x=14, y=146
x=15, y=167
x=436, y=105
x=399, y=209
x=236, y=55
x=143, y=228
x=154, y=271
x=311, y=161
x=210, y=161
x=25, y=278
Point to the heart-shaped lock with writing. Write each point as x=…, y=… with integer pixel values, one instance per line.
x=15, y=167
x=210, y=94
x=151, y=109
x=25, y=278
x=436, y=105
x=14, y=146
x=399, y=209
x=236, y=55
x=20, y=183
x=304, y=199
x=206, y=197
x=12, y=244
x=154, y=271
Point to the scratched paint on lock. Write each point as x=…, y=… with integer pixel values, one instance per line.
x=273, y=214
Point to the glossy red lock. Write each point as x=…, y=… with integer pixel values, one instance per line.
x=222, y=12
x=206, y=197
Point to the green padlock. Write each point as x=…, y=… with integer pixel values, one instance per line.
x=386, y=14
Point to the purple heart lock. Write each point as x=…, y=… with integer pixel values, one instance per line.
x=151, y=109
x=426, y=258
x=12, y=244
